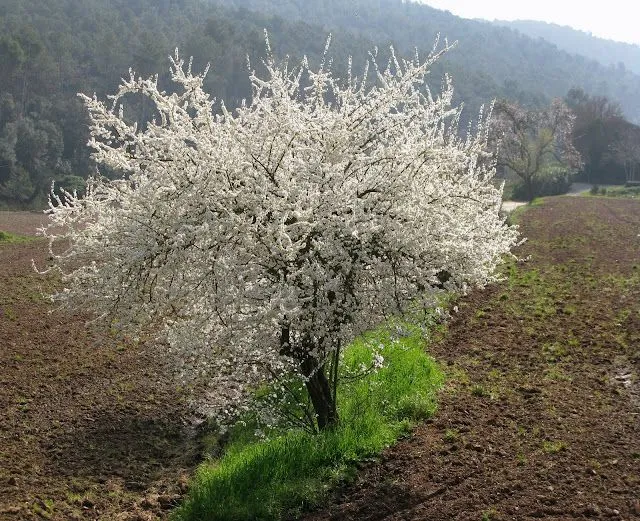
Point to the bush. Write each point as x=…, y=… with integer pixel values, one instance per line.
x=553, y=181
x=71, y=183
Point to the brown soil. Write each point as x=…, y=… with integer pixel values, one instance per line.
x=22, y=223
x=91, y=427
x=540, y=419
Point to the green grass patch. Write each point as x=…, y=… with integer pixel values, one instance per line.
x=11, y=238
x=630, y=192
x=515, y=216
x=292, y=472
x=553, y=447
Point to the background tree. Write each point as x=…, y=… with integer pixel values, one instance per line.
x=534, y=143
x=264, y=239
x=626, y=150
x=602, y=135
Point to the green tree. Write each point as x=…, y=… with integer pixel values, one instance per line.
x=534, y=143
x=595, y=131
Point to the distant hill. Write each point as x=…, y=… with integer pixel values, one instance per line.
x=489, y=61
x=49, y=51
x=607, y=52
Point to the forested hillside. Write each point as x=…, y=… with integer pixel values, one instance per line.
x=490, y=60
x=50, y=51
x=607, y=52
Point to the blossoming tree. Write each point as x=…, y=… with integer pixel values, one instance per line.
x=261, y=240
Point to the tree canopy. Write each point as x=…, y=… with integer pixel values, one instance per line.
x=262, y=239
x=533, y=143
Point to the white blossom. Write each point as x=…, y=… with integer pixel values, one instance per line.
x=262, y=239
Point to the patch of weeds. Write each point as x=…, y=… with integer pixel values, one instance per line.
x=451, y=435
x=543, y=307
x=456, y=379
x=494, y=394
x=555, y=373
x=622, y=316
x=8, y=312
x=11, y=238
x=495, y=375
x=23, y=404
x=458, y=374
x=530, y=331
x=480, y=391
x=521, y=459
x=595, y=465
x=572, y=341
x=534, y=295
x=43, y=508
x=74, y=498
x=621, y=339
x=553, y=447
x=553, y=352
x=438, y=332
x=488, y=515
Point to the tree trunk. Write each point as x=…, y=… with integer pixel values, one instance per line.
x=317, y=383
x=529, y=184
x=319, y=391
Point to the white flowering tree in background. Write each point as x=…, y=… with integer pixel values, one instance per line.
x=263, y=239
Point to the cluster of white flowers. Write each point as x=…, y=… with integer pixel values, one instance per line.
x=262, y=239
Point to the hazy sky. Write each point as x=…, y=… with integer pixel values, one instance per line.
x=613, y=19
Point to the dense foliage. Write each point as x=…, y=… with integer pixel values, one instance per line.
x=608, y=143
x=491, y=61
x=49, y=51
x=536, y=145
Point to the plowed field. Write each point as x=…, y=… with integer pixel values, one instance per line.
x=540, y=418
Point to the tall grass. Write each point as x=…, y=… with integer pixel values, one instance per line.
x=288, y=474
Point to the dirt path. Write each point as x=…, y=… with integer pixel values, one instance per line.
x=541, y=419
x=575, y=190
x=89, y=426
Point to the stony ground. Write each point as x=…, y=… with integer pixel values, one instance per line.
x=540, y=419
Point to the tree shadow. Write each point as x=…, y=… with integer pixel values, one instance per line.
x=135, y=448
